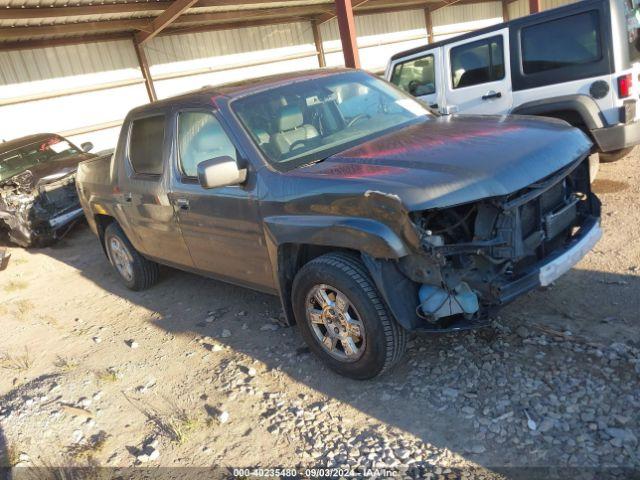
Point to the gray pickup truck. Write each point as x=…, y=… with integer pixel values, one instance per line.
x=368, y=214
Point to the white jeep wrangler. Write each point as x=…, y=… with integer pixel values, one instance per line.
x=579, y=63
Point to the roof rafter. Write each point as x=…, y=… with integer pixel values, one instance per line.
x=14, y=13
x=166, y=18
x=330, y=16
x=79, y=32
x=143, y=24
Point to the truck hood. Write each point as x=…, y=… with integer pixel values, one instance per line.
x=457, y=159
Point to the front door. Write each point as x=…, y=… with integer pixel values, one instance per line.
x=151, y=224
x=420, y=75
x=478, y=74
x=221, y=225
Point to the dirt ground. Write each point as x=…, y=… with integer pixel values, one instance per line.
x=194, y=372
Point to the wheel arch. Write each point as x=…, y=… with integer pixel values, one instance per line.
x=566, y=107
x=102, y=221
x=293, y=241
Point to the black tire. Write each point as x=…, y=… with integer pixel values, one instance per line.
x=385, y=340
x=144, y=273
x=616, y=155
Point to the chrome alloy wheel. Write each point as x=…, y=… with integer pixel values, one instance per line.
x=121, y=258
x=336, y=323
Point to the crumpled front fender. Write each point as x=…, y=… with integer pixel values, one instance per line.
x=360, y=234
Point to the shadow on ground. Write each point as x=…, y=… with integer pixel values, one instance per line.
x=467, y=366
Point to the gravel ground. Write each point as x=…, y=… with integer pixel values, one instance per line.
x=198, y=373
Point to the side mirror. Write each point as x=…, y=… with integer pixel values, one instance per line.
x=86, y=146
x=220, y=172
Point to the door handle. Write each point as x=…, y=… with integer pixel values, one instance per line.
x=128, y=197
x=491, y=95
x=182, y=203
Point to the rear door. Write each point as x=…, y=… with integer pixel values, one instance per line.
x=420, y=75
x=478, y=74
x=150, y=220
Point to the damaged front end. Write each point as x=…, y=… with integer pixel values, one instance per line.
x=37, y=213
x=481, y=255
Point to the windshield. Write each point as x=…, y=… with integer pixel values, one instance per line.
x=45, y=149
x=632, y=16
x=310, y=120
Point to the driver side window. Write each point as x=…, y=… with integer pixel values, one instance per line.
x=416, y=77
x=200, y=138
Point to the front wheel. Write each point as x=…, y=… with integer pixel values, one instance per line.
x=135, y=271
x=616, y=155
x=343, y=319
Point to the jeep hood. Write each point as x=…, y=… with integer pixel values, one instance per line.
x=453, y=160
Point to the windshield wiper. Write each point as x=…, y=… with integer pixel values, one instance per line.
x=312, y=162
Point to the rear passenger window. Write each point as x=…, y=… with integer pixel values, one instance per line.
x=565, y=42
x=417, y=76
x=200, y=138
x=478, y=62
x=145, y=145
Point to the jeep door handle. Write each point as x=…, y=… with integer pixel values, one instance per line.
x=182, y=203
x=490, y=95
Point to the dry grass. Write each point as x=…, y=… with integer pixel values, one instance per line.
x=65, y=364
x=110, y=375
x=180, y=425
x=23, y=307
x=15, y=285
x=86, y=450
x=21, y=363
x=69, y=467
x=172, y=421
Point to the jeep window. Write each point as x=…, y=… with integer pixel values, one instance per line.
x=309, y=120
x=145, y=145
x=564, y=42
x=477, y=62
x=417, y=76
x=31, y=154
x=200, y=138
x=633, y=34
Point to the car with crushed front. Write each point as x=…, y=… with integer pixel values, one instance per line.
x=38, y=198
x=368, y=214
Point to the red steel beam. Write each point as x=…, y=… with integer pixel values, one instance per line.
x=317, y=39
x=347, y=27
x=428, y=21
x=534, y=6
x=146, y=73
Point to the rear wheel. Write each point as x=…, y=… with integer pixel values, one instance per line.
x=135, y=271
x=616, y=155
x=343, y=318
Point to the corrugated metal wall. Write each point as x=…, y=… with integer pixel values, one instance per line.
x=87, y=89
x=184, y=62
x=458, y=19
x=520, y=8
x=68, y=88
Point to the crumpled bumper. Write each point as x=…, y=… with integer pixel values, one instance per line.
x=65, y=218
x=551, y=268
